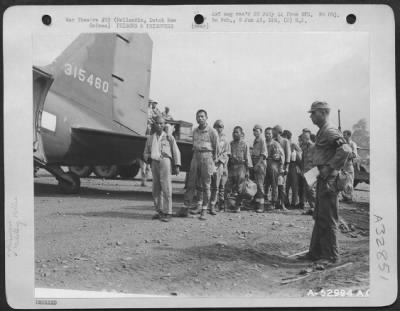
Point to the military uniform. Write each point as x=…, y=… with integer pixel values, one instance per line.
x=202, y=166
x=275, y=161
x=219, y=178
x=161, y=150
x=152, y=115
x=292, y=181
x=285, y=144
x=308, y=193
x=238, y=164
x=330, y=150
x=259, y=157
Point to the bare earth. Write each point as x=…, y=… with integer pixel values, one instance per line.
x=105, y=240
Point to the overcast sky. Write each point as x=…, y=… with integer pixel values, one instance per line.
x=249, y=78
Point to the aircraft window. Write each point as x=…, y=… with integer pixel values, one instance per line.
x=117, y=77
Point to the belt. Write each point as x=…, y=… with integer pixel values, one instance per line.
x=162, y=157
x=202, y=151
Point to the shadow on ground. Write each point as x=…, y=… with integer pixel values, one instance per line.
x=229, y=253
x=111, y=214
x=52, y=190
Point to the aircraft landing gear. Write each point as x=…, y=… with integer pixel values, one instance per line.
x=106, y=171
x=129, y=171
x=81, y=171
x=69, y=182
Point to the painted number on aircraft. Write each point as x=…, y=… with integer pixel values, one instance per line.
x=86, y=77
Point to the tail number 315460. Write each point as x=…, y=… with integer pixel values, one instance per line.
x=85, y=77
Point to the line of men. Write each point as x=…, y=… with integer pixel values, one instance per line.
x=219, y=169
x=273, y=163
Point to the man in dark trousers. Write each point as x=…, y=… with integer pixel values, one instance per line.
x=330, y=153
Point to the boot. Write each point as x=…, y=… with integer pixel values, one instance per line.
x=236, y=209
x=281, y=199
x=196, y=210
x=212, y=210
x=221, y=206
x=260, y=207
x=203, y=214
x=183, y=212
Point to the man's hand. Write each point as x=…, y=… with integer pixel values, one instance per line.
x=177, y=170
x=276, y=156
x=325, y=171
x=285, y=169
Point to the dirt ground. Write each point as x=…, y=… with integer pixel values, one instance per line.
x=105, y=240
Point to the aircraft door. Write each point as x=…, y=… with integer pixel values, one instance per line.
x=41, y=84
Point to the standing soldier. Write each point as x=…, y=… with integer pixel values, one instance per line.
x=218, y=179
x=308, y=193
x=166, y=115
x=275, y=161
x=152, y=113
x=202, y=167
x=349, y=166
x=330, y=153
x=277, y=132
x=238, y=167
x=161, y=149
x=259, y=157
x=292, y=181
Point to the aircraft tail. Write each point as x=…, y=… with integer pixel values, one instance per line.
x=109, y=74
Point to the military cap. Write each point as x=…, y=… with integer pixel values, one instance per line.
x=278, y=128
x=258, y=127
x=218, y=123
x=306, y=130
x=319, y=105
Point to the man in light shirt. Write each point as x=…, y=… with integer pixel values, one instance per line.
x=308, y=193
x=202, y=166
x=259, y=155
x=166, y=115
x=219, y=178
x=292, y=180
x=282, y=196
x=349, y=166
x=275, y=162
x=163, y=153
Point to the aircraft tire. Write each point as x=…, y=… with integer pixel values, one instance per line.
x=106, y=171
x=81, y=171
x=71, y=186
x=129, y=171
